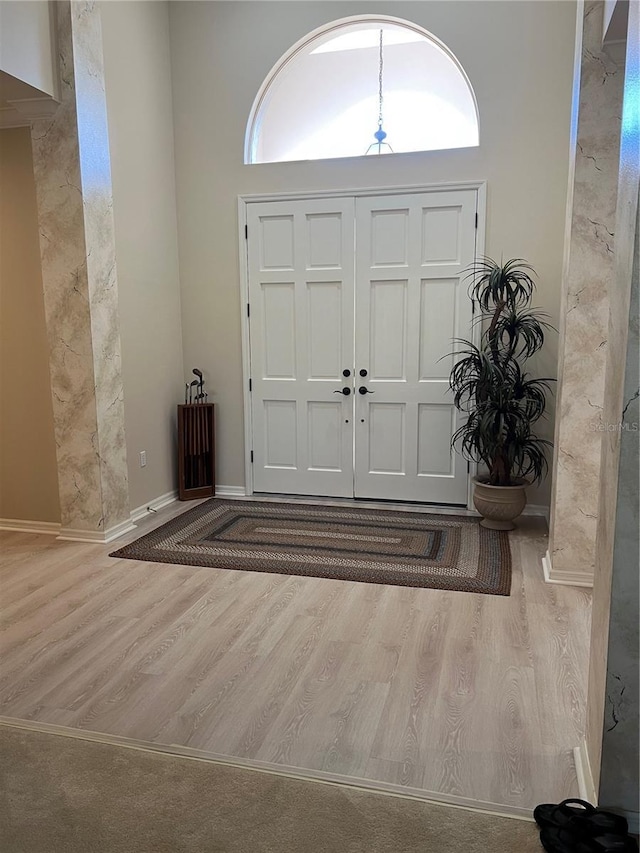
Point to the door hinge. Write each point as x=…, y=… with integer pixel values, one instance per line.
x=246, y=232
x=252, y=457
x=250, y=386
x=248, y=310
x=476, y=220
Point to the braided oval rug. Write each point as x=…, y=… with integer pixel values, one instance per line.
x=353, y=544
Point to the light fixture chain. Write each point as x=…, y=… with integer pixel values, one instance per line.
x=379, y=145
x=380, y=82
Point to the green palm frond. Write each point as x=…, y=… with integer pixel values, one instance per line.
x=489, y=383
x=492, y=284
x=521, y=333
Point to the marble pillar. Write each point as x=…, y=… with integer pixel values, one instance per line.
x=619, y=786
x=613, y=693
x=73, y=185
x=585, y=311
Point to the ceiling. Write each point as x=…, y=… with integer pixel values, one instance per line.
x=617, y=29
x=12, y=89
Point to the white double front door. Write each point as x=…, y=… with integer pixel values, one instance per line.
x=354, y=305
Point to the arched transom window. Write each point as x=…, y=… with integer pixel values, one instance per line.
x=322, y=99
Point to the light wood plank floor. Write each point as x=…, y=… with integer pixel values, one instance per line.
x=466, y=695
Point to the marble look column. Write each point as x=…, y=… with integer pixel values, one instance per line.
x=619, y=786
x=614, y=691
x=73, y=184
x=585, y=311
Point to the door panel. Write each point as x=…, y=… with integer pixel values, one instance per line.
x=275, y=236
x=437, y=328
x=436, y=423
x=280, y=434
x=388, y=323
x=324, y=422
x=386, y=434
x=279, y=312
x=389, y=245
x=324, y=325
x=411, y=252
x=441, y=234
x=301, y=275
x=324, y=240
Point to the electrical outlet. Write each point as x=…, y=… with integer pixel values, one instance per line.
x=143, y=458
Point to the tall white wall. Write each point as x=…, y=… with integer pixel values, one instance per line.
x=27, y=44
x=519, y=57
x=138, y=86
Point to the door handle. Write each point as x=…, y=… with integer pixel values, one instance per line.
x=363, y=372
x=345, y=391
x=363, y=390
x=346, y=372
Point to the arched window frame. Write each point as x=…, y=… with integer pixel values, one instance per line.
x=332, y=28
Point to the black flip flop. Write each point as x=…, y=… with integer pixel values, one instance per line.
x=580, y=815
x=556, y=840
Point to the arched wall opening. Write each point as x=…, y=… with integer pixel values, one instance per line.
x=321, y=99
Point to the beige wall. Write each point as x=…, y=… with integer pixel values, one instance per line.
x=28, y=471
x=519, y=57
x=138, y=86
x=27, y=43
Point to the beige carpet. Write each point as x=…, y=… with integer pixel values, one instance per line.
x=65, y=795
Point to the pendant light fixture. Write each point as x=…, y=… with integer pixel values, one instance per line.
x=380, y=146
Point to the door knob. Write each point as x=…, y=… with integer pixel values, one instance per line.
x=363, y=390
x=346, y=372
x=345, y=391
x=363, y=373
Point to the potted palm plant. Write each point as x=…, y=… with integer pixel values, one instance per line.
x=501, y=400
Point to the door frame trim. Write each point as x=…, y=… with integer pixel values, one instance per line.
x=480, y=186
x=399, y=189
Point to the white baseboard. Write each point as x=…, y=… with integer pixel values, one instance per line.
x=230, y=491
x=586, y=787
x=563, y=577
x=157, y=503
x=73, y=534
x=135, y=515
x=48, y=528
x=70, y=534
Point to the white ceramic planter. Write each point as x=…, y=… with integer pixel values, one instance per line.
x=499, y=505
